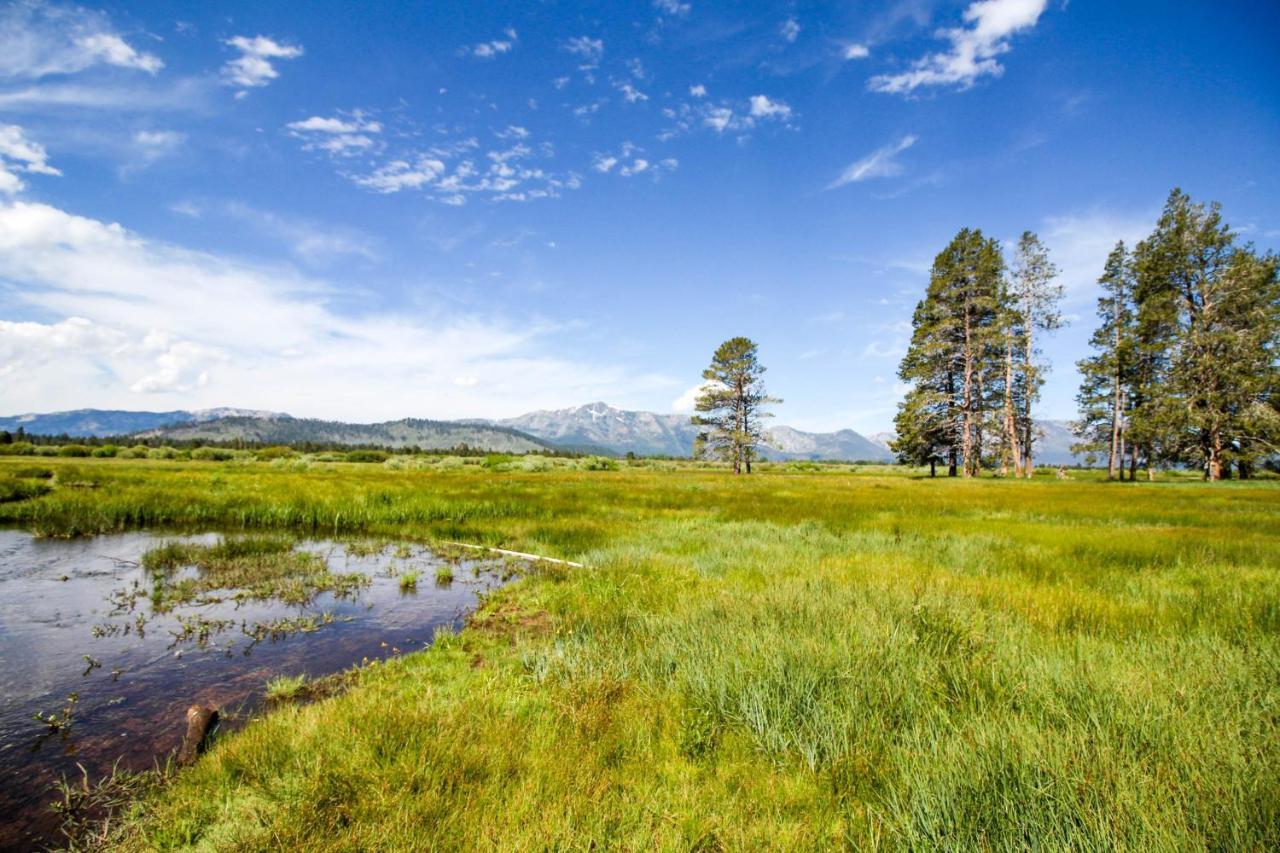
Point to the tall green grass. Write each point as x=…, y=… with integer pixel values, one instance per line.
x=794, y=660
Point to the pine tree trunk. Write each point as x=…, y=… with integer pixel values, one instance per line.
x=1028, y=464
x=1120, y=454
x=966, y=441
x=933, y=467
x=1215, y=455
x=1012, y=446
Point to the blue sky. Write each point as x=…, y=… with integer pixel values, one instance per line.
x=461, y=209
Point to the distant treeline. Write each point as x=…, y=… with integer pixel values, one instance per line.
x=21, y=443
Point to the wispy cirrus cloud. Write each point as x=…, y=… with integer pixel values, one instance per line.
x=881, y=163
x=990, y=24
x=20, y=154
x=41, y=39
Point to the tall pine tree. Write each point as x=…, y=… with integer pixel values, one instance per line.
x=1034, y=294
x=1108, y=376
x=953, y=361
x=731, y=405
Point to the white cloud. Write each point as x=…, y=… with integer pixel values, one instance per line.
x=309, y=241
x=974, y=48
x=637, y=166
x=719, y=119
x=632, y=94
x=40, y=39
x=318, y=124
x=495, y=47
x=20, y=154
x=762, y=107
x=881, y=163
x=686, y=401
x=856, y=51
x=190, y=94
x=399, y=175
x=193, y=329
x=698, y=91
x=340, y=137
x=1080, y=242
x=723, y=115
x=253, y=67
x=588, y=49
x=672, y=7
x=789, y=30
x=630, y=161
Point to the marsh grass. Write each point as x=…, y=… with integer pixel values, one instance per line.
x=242, y=567
x=409, y=580
x=286, y=688
x=796, y=660
x=444, y=575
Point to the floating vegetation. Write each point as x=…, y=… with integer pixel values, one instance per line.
x=278, y=629
x=199, y=629
x=61, y=720
x=366, y=547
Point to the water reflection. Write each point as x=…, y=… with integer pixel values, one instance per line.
x=83, y=642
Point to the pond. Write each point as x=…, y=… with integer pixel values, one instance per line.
x=109, y=653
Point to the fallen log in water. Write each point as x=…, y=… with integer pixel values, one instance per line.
x=200, y=720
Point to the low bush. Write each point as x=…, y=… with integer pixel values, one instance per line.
x=366, y=456
x=212, y=454
x=106, y=451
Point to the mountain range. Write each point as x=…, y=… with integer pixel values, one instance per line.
x=592, y=428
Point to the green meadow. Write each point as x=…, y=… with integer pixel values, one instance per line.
x=846, y=657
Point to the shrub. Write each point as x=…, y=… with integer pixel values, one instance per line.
x=138, y=451
x=161, y=453
x=366, y=456
x=599, y=463
x=536, y=463
x=212, y=454
x=18, y=448
x=279, y=451
x=76, y=450
x=106, y=451
x=494, y=460
x=46, y=450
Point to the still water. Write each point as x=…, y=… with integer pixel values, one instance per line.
x=72, y=624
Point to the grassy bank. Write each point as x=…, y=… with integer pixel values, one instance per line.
x=791, y=660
